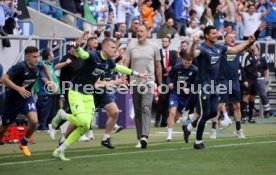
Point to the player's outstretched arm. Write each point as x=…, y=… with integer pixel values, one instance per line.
x=192, y=51
x=127, y=71
x=240, y=47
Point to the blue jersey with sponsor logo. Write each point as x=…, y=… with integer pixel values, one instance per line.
x=93, y=68
x=21, y=75
x=209, y=63
x=180, y=76
x=229, y=67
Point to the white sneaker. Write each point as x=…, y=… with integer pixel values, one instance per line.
x=169, y=138
x=225, y=123
x=83, y=138
x=213, y=134
x=138, y=145
x=52, y=132
x=90, y=134
x=239, y=134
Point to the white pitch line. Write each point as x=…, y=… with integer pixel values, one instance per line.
x=127, y=147
x=134, y=152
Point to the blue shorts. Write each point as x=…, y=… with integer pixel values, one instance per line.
x=103, y=99
x=180, y=102
x=233, y=92
x=11, y=110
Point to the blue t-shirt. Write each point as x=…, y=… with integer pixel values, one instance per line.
x=180, y=76
x=271, y=16
x=209, y=63
x=229, y=67
x=92, y=69
x=21, y=75
x=181, y=13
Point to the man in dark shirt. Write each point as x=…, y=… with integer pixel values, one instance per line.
x=68, y=65
x=180, y=79
x=209, y=56
x=229, y=78
x=250, y=84
x=229, y=68
x=20, y=79
x=84, y=83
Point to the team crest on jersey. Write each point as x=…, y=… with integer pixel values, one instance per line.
x=190, y=73
x=231, y=57
x=28, y=82
x=77, y=107
x=214, y=60
x=97, y=72
x=182, y=78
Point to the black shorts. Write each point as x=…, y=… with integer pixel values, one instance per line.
x=252, y=88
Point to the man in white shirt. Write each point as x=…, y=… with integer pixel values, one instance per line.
x=251, y=20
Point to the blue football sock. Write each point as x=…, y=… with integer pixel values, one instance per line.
x=24, y=141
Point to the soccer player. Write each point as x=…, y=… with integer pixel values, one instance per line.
x=20, y=79
x=209, y=56
x=229, y=68
x=229, y=74
x=180, y=79
x=104, y=100
x=80, y=99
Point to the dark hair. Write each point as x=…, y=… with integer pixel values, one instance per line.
x=91, y=38
x=45, y=54
x=184, y=55
x=107, y=40
x=249, y=5
x=31, y=49
x=192, y=11
x=167, y=38
x=207, y=30
x=121, y=24
x=184, y=42
x=69, y=46
x=107, y=33
x=98, y=33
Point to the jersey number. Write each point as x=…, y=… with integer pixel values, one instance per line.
x=31, y=106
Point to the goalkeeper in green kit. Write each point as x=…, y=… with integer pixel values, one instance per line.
x=84, y=83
